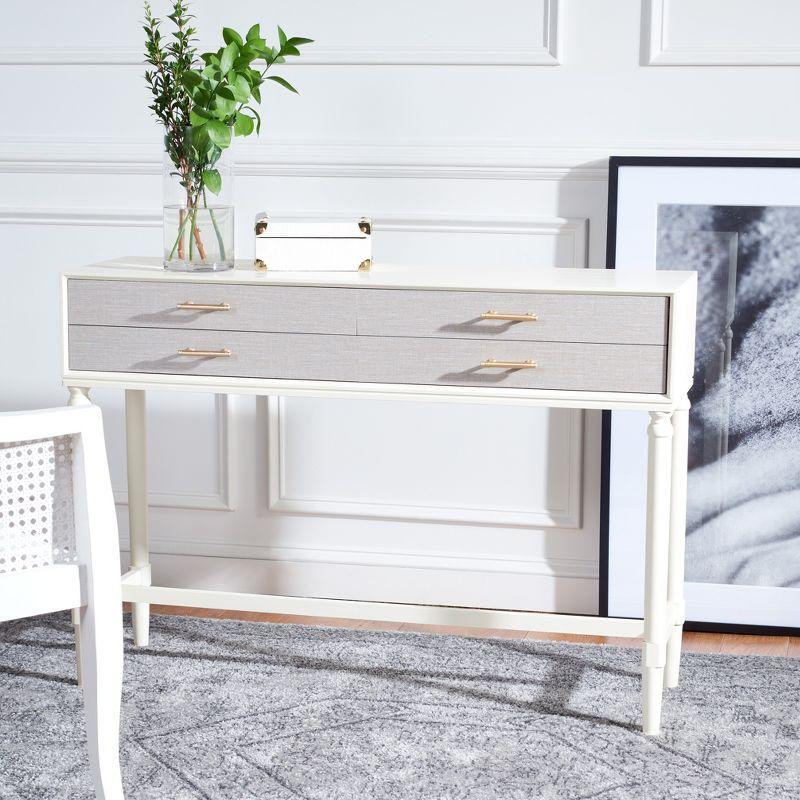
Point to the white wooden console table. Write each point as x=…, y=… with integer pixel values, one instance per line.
x=590, y=339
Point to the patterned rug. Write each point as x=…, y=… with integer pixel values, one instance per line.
x=224, y=710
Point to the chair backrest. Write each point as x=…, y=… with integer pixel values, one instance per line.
x=37, y=526
x=56, y=507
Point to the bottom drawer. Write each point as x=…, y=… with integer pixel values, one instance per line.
x=369, y=359
x=297, y=356
x=558, y=365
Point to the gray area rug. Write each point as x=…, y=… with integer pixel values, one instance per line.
x=217, y=710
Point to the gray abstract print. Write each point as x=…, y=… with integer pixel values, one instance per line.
x=744, y=448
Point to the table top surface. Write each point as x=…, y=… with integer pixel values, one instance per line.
x=409, y=276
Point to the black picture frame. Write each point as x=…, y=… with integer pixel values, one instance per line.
x=614, y=165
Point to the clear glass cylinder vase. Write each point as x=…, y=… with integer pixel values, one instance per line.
x=198, y=223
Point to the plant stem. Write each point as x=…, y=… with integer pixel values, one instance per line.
x=178, y=244
x=201, y=250
x=182, y=217
x=191, y=235
x=217, y=231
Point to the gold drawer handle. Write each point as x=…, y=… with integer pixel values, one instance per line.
x=492, y=363
x=530, y=317
x=190, y=306
x=190, y=351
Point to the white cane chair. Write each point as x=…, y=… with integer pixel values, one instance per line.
x=59, y=550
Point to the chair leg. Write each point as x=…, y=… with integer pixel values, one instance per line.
x=101, y=654
x=76, y=624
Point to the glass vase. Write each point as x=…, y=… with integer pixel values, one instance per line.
x=198, y=225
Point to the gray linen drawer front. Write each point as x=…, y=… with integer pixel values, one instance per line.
x=577, y=342
x=252, y=355
x=610, y=319
x=154, y=304
x=558, y=365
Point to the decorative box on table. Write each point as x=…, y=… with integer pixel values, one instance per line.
x=313, y=245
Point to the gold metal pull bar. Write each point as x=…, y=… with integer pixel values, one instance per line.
x=530, y=317
x=190, y=306
x=190, y=351
x=492, y=363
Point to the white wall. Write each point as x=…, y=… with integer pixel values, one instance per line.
x=471, y=133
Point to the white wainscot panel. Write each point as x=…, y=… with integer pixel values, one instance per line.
x=189, y=460
x=719, y=32
x=461, y=464
x=482, y=241
x=412, y=32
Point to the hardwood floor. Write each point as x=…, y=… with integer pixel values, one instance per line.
x=733, y=644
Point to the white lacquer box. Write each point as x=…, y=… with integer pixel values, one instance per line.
x=313, y=245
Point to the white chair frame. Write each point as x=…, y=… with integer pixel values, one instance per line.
x=90, y=587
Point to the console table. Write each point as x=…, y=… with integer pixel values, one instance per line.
x=586, y=339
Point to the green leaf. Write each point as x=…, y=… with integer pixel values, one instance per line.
x=196, y=119
x=254, y=33
x=226, y=92
x=191, y=79
x=219, y=133
x=243, y=126
x=240, y=88
x=257, y=116
x=230, y=35
x=228, y=57
x=298, y=40
x=212, y=180
x=256, y=92
x=223, y=107
x=282, y=82
x=202, y=96
x=200, y=141
x=247, y=54
x=290, y=50
x=281, y=36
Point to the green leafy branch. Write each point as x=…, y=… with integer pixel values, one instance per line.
x=203, y=107
x=223, y=91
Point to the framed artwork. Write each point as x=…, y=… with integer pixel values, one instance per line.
x=737, y=222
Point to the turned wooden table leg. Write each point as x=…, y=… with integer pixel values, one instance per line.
x=654, y=646
x=136, y=443
x=677, y=541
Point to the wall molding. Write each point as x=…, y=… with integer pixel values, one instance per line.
x=659, y=52
x=221, y=499
x=278, y=158
x=281, y=502
x=80, y=217
x=584, y=569
x=423, y=160
x=543, y=53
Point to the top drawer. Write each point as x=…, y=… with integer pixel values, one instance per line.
x=607, y=319
x=232, y=307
